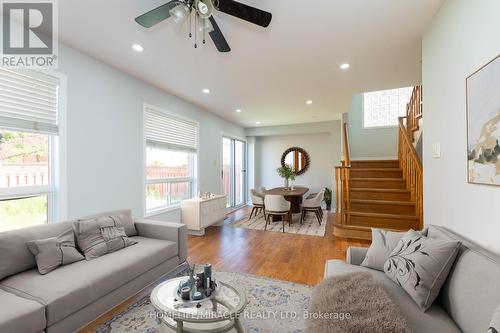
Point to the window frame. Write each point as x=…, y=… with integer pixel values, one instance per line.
x=365, y=127
x=193, y=165
x=56, y=189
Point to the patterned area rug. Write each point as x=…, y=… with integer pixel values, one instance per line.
x=310, y=226
x=274, y=307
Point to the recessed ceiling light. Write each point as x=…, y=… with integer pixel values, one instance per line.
x=238, y=110
x=309, y=102
x=257, y=122
x=138, y=47
x=345, y=66
x=206, y=91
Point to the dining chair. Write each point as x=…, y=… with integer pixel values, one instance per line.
x=276, y=205
x=313, y=205
x=262, y=191
x=257, y=203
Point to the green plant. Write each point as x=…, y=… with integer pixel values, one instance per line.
x=286, y=171
x=328, y=196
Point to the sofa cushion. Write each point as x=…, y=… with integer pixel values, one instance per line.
x=53, y=252
x=20, y=314
x=70, y=288
x=420, y=266
x=101, y=235
x=14, y=254
x=472, y=292
x=124, y=216
x=434, y=320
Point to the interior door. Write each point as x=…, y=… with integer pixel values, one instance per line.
x=234, y=171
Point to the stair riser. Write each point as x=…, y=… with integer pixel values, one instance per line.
x=400, y=184
x=380, y=196
x=378, y=222
x=375, y=164
x=376, y=173
x=383, y=208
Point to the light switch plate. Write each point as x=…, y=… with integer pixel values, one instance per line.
x=436, y=150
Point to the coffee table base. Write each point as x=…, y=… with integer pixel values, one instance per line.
x=169, y=325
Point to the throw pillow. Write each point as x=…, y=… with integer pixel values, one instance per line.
x=420, y=266
x=101, y=235
x=53, y=252
x=383, y=243
x=495, y=322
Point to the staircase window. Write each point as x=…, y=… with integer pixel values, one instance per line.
x=382, y=108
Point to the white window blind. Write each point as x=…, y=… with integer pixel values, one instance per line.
x=170, y=132
x=28, y=102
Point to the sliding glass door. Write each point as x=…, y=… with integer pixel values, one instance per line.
x=234, y=171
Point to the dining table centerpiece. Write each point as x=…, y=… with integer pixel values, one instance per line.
x=287, y=173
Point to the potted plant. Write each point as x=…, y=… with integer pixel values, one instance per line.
x=287, y=173
x=328, y=199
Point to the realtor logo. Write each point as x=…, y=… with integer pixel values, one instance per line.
x=29, y=34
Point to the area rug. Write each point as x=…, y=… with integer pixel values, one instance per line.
x=309, y=226
x=274, y=307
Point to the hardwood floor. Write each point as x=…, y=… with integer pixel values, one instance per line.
x=296, y=258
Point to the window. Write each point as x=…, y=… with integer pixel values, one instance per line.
x=28, y=130
x=383, y=108
x=171, y=159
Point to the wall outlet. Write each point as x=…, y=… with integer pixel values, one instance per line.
x=436, y=150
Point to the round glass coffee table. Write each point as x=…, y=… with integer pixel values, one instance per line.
x=219, y=313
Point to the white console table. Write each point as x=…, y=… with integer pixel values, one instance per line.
x=198, y=213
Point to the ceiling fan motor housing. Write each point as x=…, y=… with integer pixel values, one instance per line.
x=204, y=8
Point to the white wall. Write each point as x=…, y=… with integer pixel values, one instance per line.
x=369, y=143
x=320, y=140
x=464, y=36
x=105, y=136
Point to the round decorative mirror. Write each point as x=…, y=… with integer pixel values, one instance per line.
x=298, y=158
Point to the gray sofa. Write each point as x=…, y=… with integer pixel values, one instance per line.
x=71, y=296
x=467, y=300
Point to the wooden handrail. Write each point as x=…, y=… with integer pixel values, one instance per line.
x=347, y=154
x=342, y=176
x=411, y=165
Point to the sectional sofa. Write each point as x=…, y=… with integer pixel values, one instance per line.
x=467, y=300
x=71, y=296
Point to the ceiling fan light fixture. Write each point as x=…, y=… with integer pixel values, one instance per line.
x=204, y=8
x=179, y=13
x=206, y=26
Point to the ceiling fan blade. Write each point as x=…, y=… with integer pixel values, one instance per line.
x=156, y=15
x=218, y=38
x=245, y=12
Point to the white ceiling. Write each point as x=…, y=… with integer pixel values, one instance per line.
x=271, y=72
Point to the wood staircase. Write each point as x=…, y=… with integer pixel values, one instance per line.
x=381, y=193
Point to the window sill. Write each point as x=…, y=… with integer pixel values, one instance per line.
x=163, y=210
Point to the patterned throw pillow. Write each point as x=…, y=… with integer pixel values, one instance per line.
x=420, y=265
x=53, y=252
x=495, y=322
x=383, y=243
x=101, y=235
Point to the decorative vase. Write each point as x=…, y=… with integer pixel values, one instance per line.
x=286, y=182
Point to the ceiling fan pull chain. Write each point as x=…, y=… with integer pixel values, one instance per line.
x=195, y=31
x=204, y=30
x=190, y=26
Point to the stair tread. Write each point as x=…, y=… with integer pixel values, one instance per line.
x=384, y=161
x=375, y=169
x=389, y=216
x=379, y=179
x=384, y=202
x=390, y=190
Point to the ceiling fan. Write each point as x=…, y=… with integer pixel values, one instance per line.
x=202, y=11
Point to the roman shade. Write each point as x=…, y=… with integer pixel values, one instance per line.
x=167, y=131
x=28, y=101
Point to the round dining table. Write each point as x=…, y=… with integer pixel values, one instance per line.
x=293, y=196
